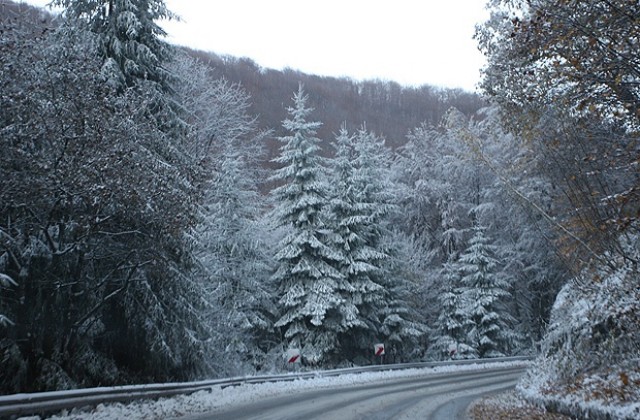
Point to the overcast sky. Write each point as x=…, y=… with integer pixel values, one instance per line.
x=411, y=42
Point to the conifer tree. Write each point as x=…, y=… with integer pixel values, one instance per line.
x=372, y=183
x=110, y=221
x=310, y=287
x=482, y=292
x=129, y=37
x=401, y=326
x=448, y=337
x=359, y=263
x=386, y=311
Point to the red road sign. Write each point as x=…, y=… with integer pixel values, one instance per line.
x=294, y=359
x=293, y=356
x=378, y=349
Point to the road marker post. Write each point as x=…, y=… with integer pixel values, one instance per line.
x=378, y=350
x=292, y=358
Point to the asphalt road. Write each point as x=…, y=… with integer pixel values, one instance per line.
x=432, y=396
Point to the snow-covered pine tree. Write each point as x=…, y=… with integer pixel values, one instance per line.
x=482, y=293
x=129, y=37
x=401, y=328
x=448, y=339
x=310, y=288
x=359, y=263
x=375, y=198
x=372, y=183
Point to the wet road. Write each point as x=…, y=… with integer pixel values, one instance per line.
x=432, y=396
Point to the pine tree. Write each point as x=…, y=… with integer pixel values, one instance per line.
x=372, y=183
x=359, y=263
x=374, y=266
x=482, y=292
x=448, y=337
x=310, y=288
x=129, y=37
x=401, y=325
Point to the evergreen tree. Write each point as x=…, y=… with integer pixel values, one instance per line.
x=310, y=288
x=387, y=312
x=359, y=263
x=372, y=183
x=129, y=37
x=448, y=337
x=401, y=326
x=482, y=292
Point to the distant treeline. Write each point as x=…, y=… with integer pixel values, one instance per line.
x=387, y=108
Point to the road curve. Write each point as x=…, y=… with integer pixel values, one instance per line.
x=428, y=396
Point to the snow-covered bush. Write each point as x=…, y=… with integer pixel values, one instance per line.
x=590, y=361
x=595, y=322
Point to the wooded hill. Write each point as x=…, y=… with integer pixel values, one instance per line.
x=387, y=108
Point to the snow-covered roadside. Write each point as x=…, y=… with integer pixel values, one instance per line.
x=509, y=405
x=614, y=394
x=219, y=398
x=590, y=359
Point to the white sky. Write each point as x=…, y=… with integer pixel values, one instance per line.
x=412, y=42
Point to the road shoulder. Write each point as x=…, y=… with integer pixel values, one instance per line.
x=508, y=406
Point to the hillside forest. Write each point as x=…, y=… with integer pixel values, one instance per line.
x=170, y=215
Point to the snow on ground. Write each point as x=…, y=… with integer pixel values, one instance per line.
x=219, y=398
x=614, y=394
x=610, y=393
x=509, y=406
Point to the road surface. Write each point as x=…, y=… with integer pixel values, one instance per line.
x=428, y=396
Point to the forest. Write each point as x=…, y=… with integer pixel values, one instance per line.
x=172, y=215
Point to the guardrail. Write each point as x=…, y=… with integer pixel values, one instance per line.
x=50, y=402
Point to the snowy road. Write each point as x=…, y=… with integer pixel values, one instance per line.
x=432, y=395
